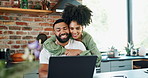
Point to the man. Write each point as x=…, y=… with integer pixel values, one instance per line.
x=77, y=17
x=62, y=34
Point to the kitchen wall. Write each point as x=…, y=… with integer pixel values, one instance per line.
x=17, y=30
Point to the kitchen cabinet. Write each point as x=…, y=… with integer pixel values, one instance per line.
x=109, y=66
x=105, y=66
x=119, y=63
x=32, y=74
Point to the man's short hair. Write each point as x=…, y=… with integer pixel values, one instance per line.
x=58, y=21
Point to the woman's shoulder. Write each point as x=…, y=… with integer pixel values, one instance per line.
x=51, y=39
x=85, y=35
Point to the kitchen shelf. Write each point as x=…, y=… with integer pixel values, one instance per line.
x=26, y=11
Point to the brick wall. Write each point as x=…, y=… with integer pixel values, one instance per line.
x=17, y=30
x=13, y=3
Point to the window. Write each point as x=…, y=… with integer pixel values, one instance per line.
x=140, y=23
x=109, y=23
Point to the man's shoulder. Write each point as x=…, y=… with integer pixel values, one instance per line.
x=45, y=51
x=51, y=39
x=74, y=41
x=73, y=44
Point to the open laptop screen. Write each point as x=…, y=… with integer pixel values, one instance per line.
x=71, y=66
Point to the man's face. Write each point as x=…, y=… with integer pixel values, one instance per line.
x=62, y=32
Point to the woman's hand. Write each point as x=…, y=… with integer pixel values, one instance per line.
x=73, y=52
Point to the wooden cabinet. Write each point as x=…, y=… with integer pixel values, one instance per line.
x=119, y=65
x=27, y=11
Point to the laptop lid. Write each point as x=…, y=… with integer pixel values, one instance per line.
x=71, y=66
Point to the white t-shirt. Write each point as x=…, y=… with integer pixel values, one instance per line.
x=72, y=44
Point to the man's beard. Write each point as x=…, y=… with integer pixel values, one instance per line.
x=63, y=40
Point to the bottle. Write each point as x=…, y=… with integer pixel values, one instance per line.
x=16, y=4
x=37, y=6
x=24, y=4
x=2, y=54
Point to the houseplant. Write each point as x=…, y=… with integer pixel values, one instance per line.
x=129, y=48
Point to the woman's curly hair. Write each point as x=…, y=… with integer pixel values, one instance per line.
x=81, y=14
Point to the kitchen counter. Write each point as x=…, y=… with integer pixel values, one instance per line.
x=105, y=58
x=137, y=73
x=123, y=63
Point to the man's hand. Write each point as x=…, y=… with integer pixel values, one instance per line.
x=73, y=52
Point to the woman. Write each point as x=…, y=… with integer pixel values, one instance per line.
x=76, y=17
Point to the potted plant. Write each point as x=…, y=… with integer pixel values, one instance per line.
x=129, y=48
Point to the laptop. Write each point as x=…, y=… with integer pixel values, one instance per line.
x=71, y=66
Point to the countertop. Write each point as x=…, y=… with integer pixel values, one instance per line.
x=137, y=73
x=105, y=58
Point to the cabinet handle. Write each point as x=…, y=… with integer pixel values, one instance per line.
x=121, y=60
x=121, y=66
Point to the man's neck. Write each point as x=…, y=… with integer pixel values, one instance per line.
x=62, y=44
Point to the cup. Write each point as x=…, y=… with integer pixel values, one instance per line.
x=142, y=51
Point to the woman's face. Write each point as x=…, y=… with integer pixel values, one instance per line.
x=76, y=30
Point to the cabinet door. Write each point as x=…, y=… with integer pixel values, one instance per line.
x=32, y=74
x=105, y=66
x=121, y=65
